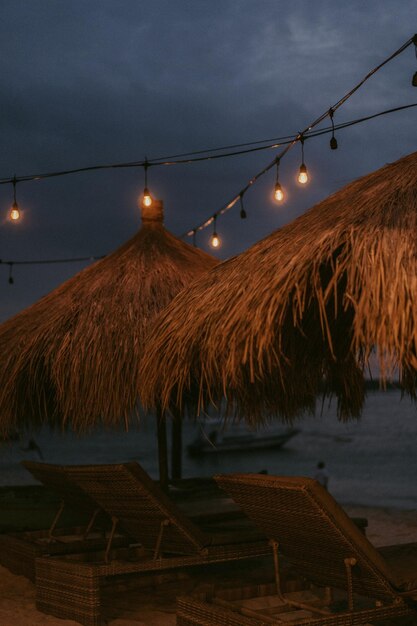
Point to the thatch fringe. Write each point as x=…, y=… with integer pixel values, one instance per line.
x=301, y=312
x=72, y=359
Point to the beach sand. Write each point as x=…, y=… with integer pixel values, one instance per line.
x=156, y=606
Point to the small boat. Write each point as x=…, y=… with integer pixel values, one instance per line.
x=240, y=439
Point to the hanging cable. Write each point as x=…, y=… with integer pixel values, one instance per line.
x=147, y=198
x=215, y=239
x=302, y=173
x=333, y=140
x=11, y=280
x=193, y=233
x=274, y=143
x=414, y=79
x=278, y=192
x=243, y=214
x=14, y=213
x=303, y=133
x=289, y=143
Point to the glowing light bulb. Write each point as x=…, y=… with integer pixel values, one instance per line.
x=147, y=198
x=215, y=240
x=278, y=193
x=303, y=175
x=14, y=212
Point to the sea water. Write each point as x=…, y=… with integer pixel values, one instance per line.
x=372, y=461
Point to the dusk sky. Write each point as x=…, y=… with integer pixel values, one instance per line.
x=85, y=83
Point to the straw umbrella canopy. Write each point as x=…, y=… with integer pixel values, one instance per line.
x=72, y=359
x=300, y=313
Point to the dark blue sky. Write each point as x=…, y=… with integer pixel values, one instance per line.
x=103, y=81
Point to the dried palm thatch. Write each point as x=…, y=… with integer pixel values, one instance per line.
x=72, y=359
x=300, y=313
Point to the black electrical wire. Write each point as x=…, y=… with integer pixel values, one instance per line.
x=193, y=231
x=288, y=141
x=153, y=162
x=309, y=135
x=301, y=135
x=169, y=159
x=49, y=261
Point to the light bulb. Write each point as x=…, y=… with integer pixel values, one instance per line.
x=147, y=198
x=215, y=240
x=302, y=174
x=278, y=193
x=15, y=212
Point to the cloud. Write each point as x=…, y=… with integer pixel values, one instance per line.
x=98, y=81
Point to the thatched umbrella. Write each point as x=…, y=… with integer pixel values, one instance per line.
x=72, y=359
x=301, y=312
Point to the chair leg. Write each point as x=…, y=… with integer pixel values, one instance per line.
x=299, y=605
x=90, y=524
x=157, y=550
x=114, y=521
x=349, y=563
x=55, y=521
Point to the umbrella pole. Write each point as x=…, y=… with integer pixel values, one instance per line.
x=176, y=460
x=161, y=426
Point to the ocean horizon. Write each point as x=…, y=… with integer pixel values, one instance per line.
x=370, y=462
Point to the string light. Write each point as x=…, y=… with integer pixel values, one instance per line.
x=147, y=198
x=414, y=79
x=14, y=211
x=302, y=173
x=46, y=262
x=243, y=214
x=278, y=192
x=333, y=140
x=215, y=239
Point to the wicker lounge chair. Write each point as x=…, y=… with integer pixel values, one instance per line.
x=69, y=587
x=315, y=536
x=19, y=550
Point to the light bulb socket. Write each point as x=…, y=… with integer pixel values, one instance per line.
x=333, y=143
x=303, y=168
x=414, y=80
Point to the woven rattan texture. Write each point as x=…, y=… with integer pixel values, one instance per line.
x=313, y=532
x=70, y=589
x=196, y=612
x=127, y=492
x=18, y=551
x=55, y=477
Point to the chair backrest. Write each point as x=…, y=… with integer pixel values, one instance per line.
x=127, y=492
x=312, y=530
x=55, y=477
